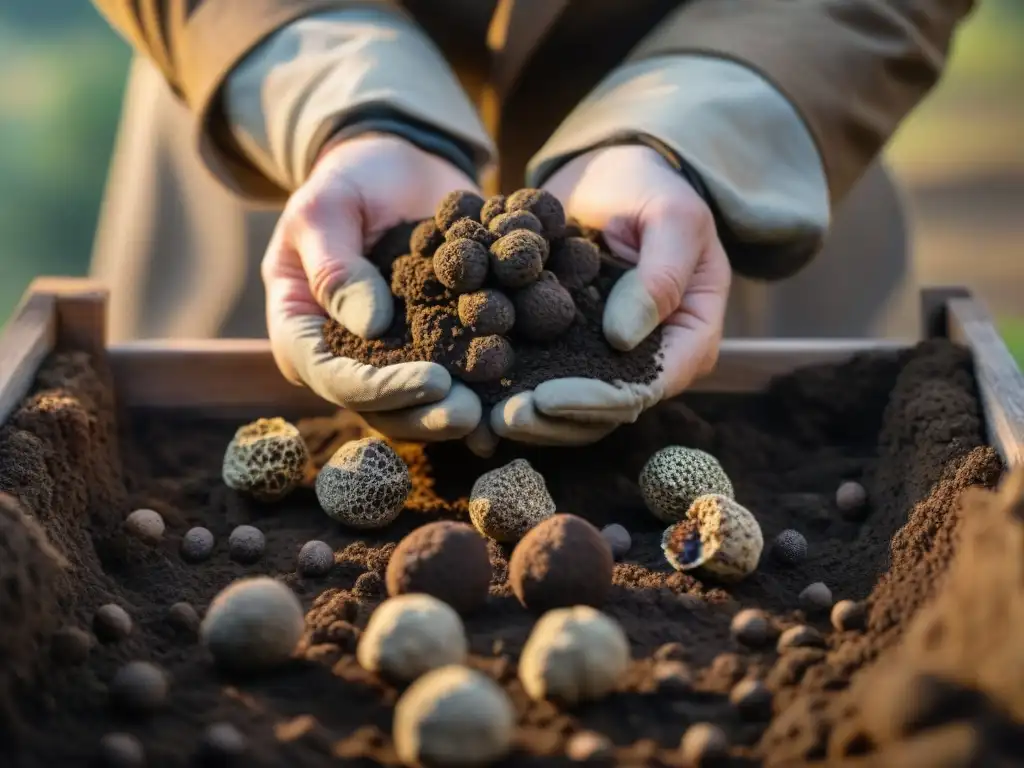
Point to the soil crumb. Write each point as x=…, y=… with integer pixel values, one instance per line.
x=935, y=557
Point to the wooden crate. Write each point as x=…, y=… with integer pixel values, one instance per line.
x=239, y=377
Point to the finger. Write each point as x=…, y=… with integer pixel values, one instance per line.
x=482, y=441
x=452, y=418
x=518, y=419
x=328, y=234
x=671, y=240
x=594, y=401
x=287, y=295
x=354, y=385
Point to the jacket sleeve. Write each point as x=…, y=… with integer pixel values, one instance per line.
x=271, y=80
x=777, y=106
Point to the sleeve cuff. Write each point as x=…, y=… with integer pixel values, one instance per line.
x=736, y=139
x=341, y=74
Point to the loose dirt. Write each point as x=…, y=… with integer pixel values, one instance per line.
x=944, y=584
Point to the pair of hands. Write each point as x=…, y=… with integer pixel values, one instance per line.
x=650, y=215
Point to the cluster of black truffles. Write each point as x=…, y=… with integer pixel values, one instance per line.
x=508, y=264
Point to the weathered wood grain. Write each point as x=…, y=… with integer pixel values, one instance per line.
x=81, y=307
x=25, y=342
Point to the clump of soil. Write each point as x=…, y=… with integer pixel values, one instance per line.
x=941, y=581
x=504, y=293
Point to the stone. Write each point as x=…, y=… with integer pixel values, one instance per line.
x=70, y=646
x=751, y=628
x=848, y=615
x=183, y=618
x=246, y=544
x=139, y=686
x=197, y=544
x=800, y=636
x=111, y=623
x=316, y=558
x=816, y=598
x=146, y=525
x=223, y=741
x=851, y=499
x=752, y=699
x=589, y=746
x=618, y=539
x=121, y=750
x=702, y=744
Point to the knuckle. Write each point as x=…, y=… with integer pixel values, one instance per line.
x=325, y=278
x=665, y=287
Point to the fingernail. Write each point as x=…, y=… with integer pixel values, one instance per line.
x=630, y=314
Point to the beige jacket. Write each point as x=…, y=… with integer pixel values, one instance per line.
x=778, y=107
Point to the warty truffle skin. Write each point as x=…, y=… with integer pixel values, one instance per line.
x=266, y=459
x=517, y=259
x=675, y=476
x=461, y=265
x=495, y=206
x=563, y=561
x=426, y=238
x=487, y=311
x=445, y=559
x=790, y=547
x=576, y=262
x=544, y=310
x=458, y=205
x=364, y=484
x=541, y=204
x=504, y=223
x=488, y=358
x=506, y=502
x=470, y=229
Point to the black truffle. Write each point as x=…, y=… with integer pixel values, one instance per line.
x=470, y=229
x=487, y=311
x=461, y=265
x=544, y=310
x=458, y=205
x=576, y=262
x=425, y=239
x=541, y=204
x=488, y=358
x=561, y=562
x=495, y=206
x=504, y=223
x=790, y=547
x=518, y=258
x=447, y=560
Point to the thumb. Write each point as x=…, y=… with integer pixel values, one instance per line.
x=347, y=285
x=670, y=245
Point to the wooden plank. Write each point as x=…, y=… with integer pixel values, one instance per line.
x=81, y=305
x=240, y=374
x=934, y=302
x=1000, y=381
x=25, y=342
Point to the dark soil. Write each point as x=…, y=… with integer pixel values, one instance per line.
x=936, y=678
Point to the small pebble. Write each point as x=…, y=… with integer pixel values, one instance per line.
x=246, y=544
x=121, y=750
x=816, y=598
x=588, y=745
x=111, y=623
x=800, y=636
x=316, y=558
x=139, y=686
x=672, y=652
x=849, y=615
x=751, y=628
x=752, y=699
x=70, y=646
x=703, y=743
x=197, y=544
x=672, y=677
x=790, y=547
x=223, y=740
x=851, y=498
x=145, y=524
x=618, y=539
x=183, y=617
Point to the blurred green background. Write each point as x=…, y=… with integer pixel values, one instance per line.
x=960, y=157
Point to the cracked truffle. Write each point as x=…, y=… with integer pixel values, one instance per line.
x=253, y=624
x=470, y=229
x=517, y=259
x=561, y=562
x=265, y=459
x=426, y=238
x=541, y=204
x=458, y=205
x=461, y=265
x=364, y=484
x=718, y=535
x=488, y=358
x=487, y=312
x=544, y=310
x=445, y=559
x=410, y=635
x=675, y=476
x=504, y=223
x=573, y=655
x=576, y=262
x=508, y=501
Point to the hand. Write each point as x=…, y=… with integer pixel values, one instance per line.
x=652, y=217
x=314, y=268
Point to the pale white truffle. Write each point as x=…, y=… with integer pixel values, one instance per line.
x=718, y=535
x=253, y=624
x=508, y=501
x=266, y=459
x=675, y=476
x=453, y=716
x=409, y=635
x=364, y=484
x=573, y=655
